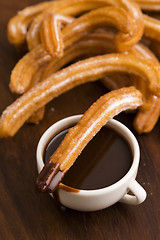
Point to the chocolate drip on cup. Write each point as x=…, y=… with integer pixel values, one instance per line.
x=50, y=177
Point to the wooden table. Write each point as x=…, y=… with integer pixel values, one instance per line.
x=27, y=214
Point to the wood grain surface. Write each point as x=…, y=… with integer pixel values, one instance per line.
x=25, y=213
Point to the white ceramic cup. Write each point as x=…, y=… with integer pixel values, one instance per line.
x=93, y=200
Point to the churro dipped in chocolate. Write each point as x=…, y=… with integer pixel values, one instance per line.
x=105, y=108
x=83, y=71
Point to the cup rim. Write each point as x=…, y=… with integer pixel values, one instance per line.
x=117, y=126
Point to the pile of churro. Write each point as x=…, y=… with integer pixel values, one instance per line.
x=104, y=40
x=116, y=42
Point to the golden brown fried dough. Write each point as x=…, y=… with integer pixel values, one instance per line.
x=95, y=44
x=51, y=35
x=23, y=71
x=152, y=27
x=77, y=7
x=22, y=77
x=18, y=25
x=105, y=108
x=149, y=5
x=145, y=120
x=83, y=71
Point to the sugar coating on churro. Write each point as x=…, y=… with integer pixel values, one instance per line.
x=60, y=32
x=83, y=71
x=105, y=108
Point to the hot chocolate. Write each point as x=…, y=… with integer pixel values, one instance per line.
x=104, y=161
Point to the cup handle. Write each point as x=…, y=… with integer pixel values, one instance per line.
x=138, y=191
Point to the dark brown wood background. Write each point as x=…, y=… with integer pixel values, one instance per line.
x=26, y=214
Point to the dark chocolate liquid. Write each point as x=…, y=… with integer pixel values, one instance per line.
x=104, y=161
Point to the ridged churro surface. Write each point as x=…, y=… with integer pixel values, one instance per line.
x=105, y=108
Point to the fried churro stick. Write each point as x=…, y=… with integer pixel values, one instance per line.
x=81, y=72
x=20, y=78
x=18, y=25
x=51, y=35
x=86, y=48
x=23, y=71
x=145, y=120
x=83, y=25
x=77, y=7
x=98, y=42
x=149, y=111
x=94, y=45
x=149, y=5
x=117, y=80
x=114, y=81
x=143, y=52
x=69, y=8
x=39, y=114
x=152, y=27
x=105, y=108
x=148, y=98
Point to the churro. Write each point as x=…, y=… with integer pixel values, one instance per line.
x=149, y=5
x=85, y=48
x=81, y=72
x=114, y=81
x=145, y=120
x=85, y=24
x=148, y=98
x=77, y=7
x=38, y=115
x=51, y=34
x=23, y=74
x=23, y=71
x=152, y=27
x=82, y=49
x=105, y=108
x=18, y=25
x=95, y=44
